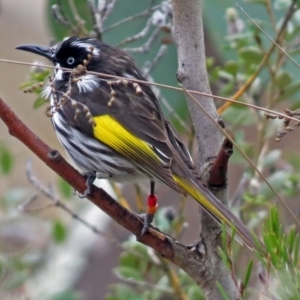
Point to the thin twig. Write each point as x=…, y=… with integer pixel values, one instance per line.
x=147, y=46
x=145, y=13
x=248, y=159
x=137, y=36
x=159, y=85
x=149, y=65
x=52, y=196
x=266, y=57
x=61, y=17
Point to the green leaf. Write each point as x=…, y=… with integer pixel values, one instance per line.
x=282, y=4
x=222, y=291
x=290, y=90
x=59, y=231
x=15, y=280
x=26, y=85
x=210, y=62
x=282, y=79
x=39, y=102
x=277, y=180
x=251, y=54
x=296, y=18
x=127, y=272
x=64, y=188
x=231, y=67
x=67, y=295
x=271, y=158
x=123, y=292
x=60, y=31
x=40, y=74
x=296, y=250
x=6, y=161
x=248, y=274
x=195, y=293
x=237, y=115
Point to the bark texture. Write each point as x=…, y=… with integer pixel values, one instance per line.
x=192, y=73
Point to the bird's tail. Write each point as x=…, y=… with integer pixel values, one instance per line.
x=216, y=209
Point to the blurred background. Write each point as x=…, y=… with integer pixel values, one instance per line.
x=44, y=252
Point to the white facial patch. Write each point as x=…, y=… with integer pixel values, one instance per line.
x=87, y=47
x=88, y=83
x=58, y=72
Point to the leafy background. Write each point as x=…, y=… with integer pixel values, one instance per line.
x=50, y=240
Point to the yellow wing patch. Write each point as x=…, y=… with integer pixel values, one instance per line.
x=109, y=131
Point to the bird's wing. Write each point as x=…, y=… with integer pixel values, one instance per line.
x=132, y=125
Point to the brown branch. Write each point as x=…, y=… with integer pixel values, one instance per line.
x=218, y=171
x=99, y=197
x=179, y=254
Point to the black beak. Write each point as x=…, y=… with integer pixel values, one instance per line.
x=40, y=50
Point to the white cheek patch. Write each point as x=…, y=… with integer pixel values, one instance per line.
x=88, y=83
x=58, y=72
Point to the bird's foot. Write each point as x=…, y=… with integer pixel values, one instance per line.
x=90, y=178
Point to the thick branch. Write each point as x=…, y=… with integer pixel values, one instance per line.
x=186, y=259
x=192, y=73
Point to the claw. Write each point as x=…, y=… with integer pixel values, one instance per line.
x=148, y=218
x=90, y=178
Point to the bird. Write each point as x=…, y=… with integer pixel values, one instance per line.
x=112, y=126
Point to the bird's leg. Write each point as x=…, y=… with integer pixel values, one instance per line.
x=90, y=178
x=151, y=208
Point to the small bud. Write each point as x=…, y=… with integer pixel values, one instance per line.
x=279, y=136
x=81, y=69
x=74, y=103
x=289, y=128
x=92, y=122
x=231, y=14
x=49, y=114
x=111, y=101
x=137, y=88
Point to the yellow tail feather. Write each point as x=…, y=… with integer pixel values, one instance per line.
x=216, y=209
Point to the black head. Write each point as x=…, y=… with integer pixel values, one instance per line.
x=73, y=51
x=69, y=53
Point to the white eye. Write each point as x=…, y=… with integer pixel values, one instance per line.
x=70, y=60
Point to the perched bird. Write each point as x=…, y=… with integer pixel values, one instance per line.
x=114, y=128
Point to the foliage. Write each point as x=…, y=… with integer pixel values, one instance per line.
x=140, y=273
